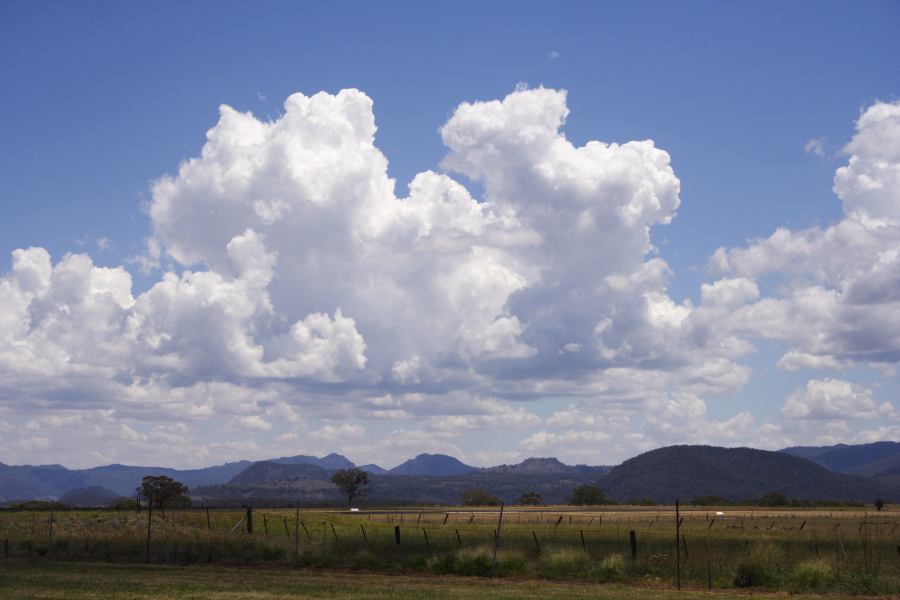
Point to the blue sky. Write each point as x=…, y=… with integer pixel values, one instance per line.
x=101, y=99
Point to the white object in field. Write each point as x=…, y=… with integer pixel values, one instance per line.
x=354, y=510
x=719, y=513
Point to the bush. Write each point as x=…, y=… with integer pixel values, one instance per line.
x=812, y=574
x=479, y=497
x=563, y=562
x=761, y=567
x=474, y=561
x=585, y=495
x=612, y=567
x=530, y=499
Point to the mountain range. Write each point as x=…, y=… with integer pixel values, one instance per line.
x=842, y=472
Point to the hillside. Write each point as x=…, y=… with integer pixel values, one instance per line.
x=734, y=473
x=431, y=464
x=92, y=496
x=331, y=462
x=533, y=466
x=270, y=482
x=374, y=469
x=877, y=459
x=265, y=472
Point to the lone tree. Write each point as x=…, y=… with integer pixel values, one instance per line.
x=160, y=489
x=530, y=499
x=879, y=505
x=350, y=481
x=589, y=495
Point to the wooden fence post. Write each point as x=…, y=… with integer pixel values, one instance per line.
x=677, y=545
x=249, y=520
x=149, y=524
x=633, y=538
x=536, y=542
x=397, y=534
x=50, y=536
x=297, y=534
x=497, y=538
x=363, y=529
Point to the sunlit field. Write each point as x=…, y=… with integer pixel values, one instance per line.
x=795, y=550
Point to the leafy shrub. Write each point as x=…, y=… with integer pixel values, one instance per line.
x=474, y=561
x=761, y=567
x=812, y=574
x=563, y=562
x=612, y=568
x=585, y=495
x=479, y=497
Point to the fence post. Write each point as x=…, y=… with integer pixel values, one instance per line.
x=50, y=536
x=458, y=539
x=633, y=536
x=677, y=545
x=249, y=520
x=497, y=539
x=363, y=529
x=397, y=534
x=149, y=524
x=297, y=535
x=536, y=542
x=583, y=545
x=425, y=533
x=208, y=526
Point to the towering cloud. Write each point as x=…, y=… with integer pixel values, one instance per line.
x=297, y=286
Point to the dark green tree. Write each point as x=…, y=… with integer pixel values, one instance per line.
x=479, y=497
x=350, y=482
x=530, y=499
x=585, y=495
x=160, y=490
x=879, y=505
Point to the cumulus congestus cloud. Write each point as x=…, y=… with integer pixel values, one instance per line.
x=301, y=297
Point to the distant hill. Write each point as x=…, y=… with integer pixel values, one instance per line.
x=265, y=472
x=269, y=482
x=868, y=460
x=92, y=496
x=25, y=482
x=333, y=461
x=533, y=466
x=432, y=464
x=374, y=469
x=686, y=472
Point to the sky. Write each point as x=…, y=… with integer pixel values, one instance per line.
x=242, y=230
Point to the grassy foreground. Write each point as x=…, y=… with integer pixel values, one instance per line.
x=60, y=579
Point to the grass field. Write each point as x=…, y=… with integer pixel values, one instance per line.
x=793, y=550
x=67, y=580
